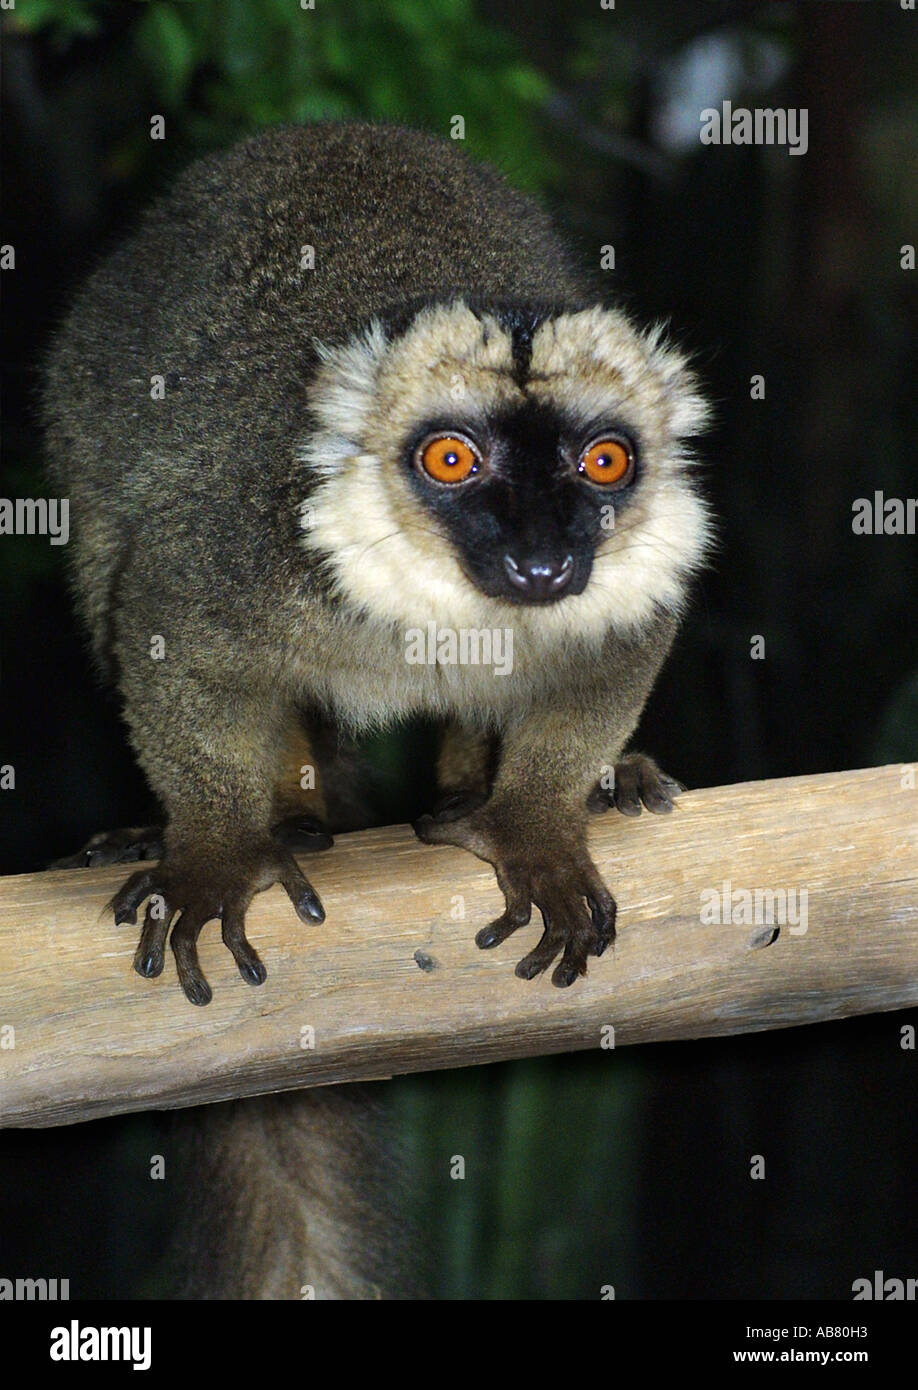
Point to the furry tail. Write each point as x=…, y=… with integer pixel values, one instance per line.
x=289, y=1197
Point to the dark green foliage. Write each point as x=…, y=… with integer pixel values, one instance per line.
x=225, y=67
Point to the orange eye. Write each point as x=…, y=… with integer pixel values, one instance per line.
x=606, y=461
x=448, y=459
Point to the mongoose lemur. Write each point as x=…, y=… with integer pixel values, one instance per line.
x=343, y=385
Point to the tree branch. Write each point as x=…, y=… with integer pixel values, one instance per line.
x=92, y=1038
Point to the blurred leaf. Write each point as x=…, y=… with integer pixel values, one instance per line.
x=167, y=49
x=321, y=106
x=527, y=82
x=243, y=37
x=69, y=18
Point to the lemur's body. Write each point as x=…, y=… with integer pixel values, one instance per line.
x=297, y=500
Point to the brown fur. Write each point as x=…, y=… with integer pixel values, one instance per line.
x=292, y=1196
x=246, y=548
x=465, y=761
x=297, y=759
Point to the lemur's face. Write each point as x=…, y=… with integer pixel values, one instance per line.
x=523, y=494
x=483, y=460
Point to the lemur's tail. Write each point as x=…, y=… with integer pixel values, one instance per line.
x=290, y=1197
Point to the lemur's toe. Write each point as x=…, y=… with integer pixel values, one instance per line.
x=637, y=782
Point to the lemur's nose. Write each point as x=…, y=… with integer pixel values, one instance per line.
x=537, y=578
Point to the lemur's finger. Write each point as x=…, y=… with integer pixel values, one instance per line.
x=130, y=895
x=305, y=899
x=517, y=914
x=627, y=795
x=149, y=957
x=603, y=910
x=542, y=955
x=184, y=941
x=246, y=957
x=573, y=963
x=658, y=792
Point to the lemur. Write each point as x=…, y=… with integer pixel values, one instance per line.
x=342, y=383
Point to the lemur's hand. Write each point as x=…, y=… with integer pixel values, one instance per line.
x=539, y=861
x=637, y=779
x=201, y=888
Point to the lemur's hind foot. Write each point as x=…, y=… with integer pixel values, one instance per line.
x=303, y=834
x=637, y=780
x=124, y=846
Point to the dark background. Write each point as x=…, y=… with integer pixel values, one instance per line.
x=631, y=1169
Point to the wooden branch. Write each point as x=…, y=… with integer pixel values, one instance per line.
x=92, y=1038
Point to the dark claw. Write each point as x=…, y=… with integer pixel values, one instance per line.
x=309, y=907
x=129, y=897
x=659, y=794
x=149, y=963
x=497, y=932
x=149, y=958
x=253, y=971
x=627, y=798
x=565, y=974
x=529, y=967
x=306, y=902
x=490, y=935
x=195, y=987
x=197, y=990
x=246, y=957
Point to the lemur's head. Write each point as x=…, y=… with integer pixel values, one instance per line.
x=483, y=460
